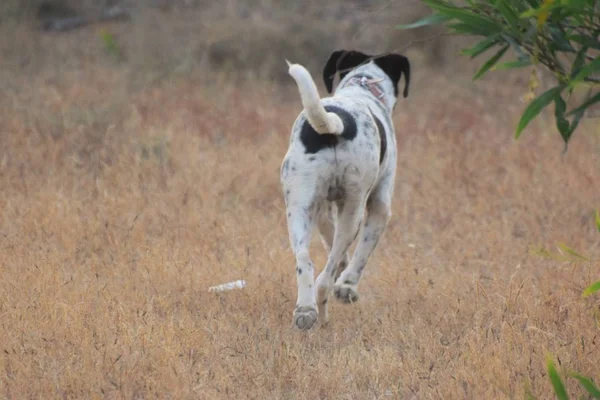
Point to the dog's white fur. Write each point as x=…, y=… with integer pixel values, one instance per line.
x=334, y=187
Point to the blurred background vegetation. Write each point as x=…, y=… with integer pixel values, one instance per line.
x=244, y=39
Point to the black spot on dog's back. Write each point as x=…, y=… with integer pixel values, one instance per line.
x=314, y=142
x=382, y=137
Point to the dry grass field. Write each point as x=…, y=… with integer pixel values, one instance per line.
x=120, y=205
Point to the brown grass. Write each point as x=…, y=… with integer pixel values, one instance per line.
x=121, y=205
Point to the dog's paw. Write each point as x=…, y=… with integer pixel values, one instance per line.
x=305, y=317
x=345, y=292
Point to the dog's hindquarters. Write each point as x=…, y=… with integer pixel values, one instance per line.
x=323, y=122
x=311, y=184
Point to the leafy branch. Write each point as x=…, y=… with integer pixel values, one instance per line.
x=560, y=35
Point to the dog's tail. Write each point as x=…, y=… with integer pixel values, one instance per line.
x=322, y=121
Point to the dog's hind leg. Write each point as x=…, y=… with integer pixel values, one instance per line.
x=349, y=216
x=301, y=218
x=378, y=215
x=326, y=224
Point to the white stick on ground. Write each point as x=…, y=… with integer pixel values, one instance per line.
x=239, y=284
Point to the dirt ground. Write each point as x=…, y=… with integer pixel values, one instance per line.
x=121, y=203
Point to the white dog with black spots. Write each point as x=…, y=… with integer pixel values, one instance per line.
x=338, y=173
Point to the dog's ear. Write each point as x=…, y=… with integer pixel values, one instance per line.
x=341, y=61
x=394, y=65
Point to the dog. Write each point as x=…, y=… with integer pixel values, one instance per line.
x=339, y=171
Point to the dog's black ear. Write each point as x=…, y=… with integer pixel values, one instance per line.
x=394, y=65
x=341, y=61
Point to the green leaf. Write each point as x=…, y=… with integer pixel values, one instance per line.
x=509, y=14
x=586, y=104
x=490, y=63
x=432, y=19
x=593, y=288
x=439, y=5
x=477, y=24
x=560, y=106
x=598, y=219
x=586, y=71
x=561, y=13
x=566, y=249
x=587, y=385
x=584, y=40
x=521, y=55
x=557, y=384
x=536, y=106
x=533, y=3
x=461, y=29
x=519, y=6
x=559, y=41
x=575, y=122
x=536, y=12
x=481, y=47
x=512, y=65
x=532, y=12
x=579, y=60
